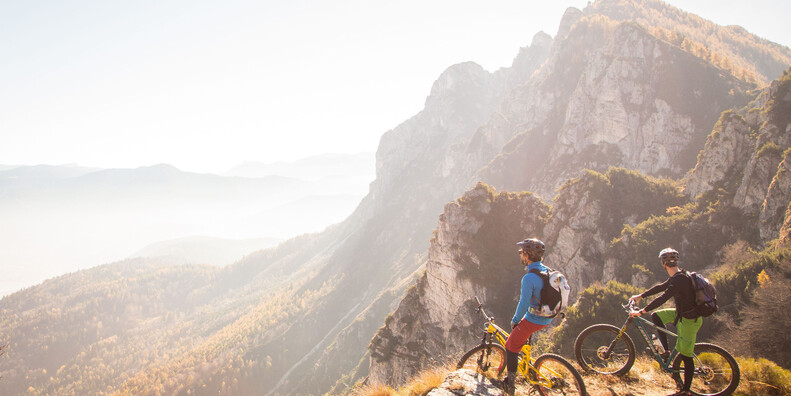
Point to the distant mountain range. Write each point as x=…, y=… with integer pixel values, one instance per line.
x=205, y=250
x=58, y=219
x=311, y=168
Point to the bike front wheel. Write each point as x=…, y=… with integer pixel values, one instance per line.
x=716, y=371
x=488, y=359
x=600, y=349
x=556, y=376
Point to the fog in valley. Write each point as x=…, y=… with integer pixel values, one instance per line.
x=60, y=219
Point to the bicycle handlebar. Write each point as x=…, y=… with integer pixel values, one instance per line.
x=480, y=309
x=630, y=306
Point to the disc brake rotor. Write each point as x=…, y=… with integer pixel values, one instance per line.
x=602, y=352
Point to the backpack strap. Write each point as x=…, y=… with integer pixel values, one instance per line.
x=541, y=275
x=691, y=284
x=678, y=314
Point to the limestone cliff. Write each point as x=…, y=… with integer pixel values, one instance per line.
x=610, y=94
x=774, y=208
x=746, y=155
x=473, y=253
x=613, y=91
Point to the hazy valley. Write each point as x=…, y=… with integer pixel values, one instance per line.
x=59, y=219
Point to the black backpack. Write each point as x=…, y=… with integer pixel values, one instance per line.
x=705, y=296
x=554, y=294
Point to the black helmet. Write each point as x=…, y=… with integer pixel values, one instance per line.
x=533, y=247
x=669, y=257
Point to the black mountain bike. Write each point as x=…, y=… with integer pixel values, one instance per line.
x=607, y=349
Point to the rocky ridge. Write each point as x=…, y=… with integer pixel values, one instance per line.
x=587, y=215
x=610, y=94
x=473, y=254
x=436, y=317
x=747, y=154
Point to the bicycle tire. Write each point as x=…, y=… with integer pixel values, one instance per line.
x=719, y=376
x=591, y=350
x=488, y=359
x=565, y=378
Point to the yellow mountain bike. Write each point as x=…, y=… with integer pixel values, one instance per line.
x=548, y=374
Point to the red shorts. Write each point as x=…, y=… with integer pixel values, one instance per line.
x=521, y=333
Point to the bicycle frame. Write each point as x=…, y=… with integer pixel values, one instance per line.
x=493, y=332
x=641, y=324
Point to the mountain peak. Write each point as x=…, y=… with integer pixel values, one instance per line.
x=570, y=17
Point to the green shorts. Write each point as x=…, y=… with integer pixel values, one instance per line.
x=687, y=330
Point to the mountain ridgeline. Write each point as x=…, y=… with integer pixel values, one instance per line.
x=621, y=135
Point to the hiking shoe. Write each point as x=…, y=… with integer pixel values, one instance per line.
x=664, y=355
x=507, y=385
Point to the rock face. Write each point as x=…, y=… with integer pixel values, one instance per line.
x=610, y=93
x=466, y=382
x=773, y=214
x=747, y=154
x=473, y=254
x=436, y=318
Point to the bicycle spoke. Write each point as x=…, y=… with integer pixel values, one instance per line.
x=716, y=371
x=556, y=376
x=486, y=359
x=593, y=350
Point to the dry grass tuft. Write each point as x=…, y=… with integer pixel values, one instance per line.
x=420, y=385
x=374, y=390
x=426, y=381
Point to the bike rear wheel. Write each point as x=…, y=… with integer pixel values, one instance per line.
x=556, y=376
x=488, y=359
x=718, y=375
x=597, y=350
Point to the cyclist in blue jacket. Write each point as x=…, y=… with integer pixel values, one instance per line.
x=525, y=323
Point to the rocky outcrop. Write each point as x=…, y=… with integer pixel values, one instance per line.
x=473, y=253
x=726, y=147
x=466, y=382
x=577, y=241
x=784, y=239
x=747, y=155
x=733, y=43
x=610, y=94
x=773, y=215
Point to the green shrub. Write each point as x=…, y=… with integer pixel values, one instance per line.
x=769, y=148
x=762, y=377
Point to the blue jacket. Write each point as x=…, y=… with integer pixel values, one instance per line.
x=530, y=296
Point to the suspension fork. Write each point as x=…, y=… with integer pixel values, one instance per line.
x=487, y=338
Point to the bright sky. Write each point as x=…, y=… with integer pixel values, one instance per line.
x=205, y=85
